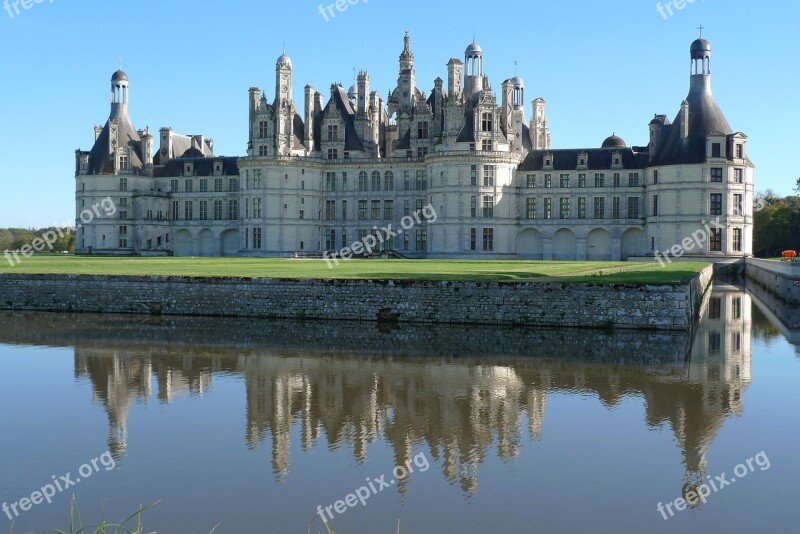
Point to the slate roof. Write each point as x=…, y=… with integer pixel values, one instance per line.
x=101, y=158
x=202, y=166
x=705, y=117
x=599, y=159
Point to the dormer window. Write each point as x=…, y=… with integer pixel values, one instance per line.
x=716, y=150
x=739, y=151
x=218, y=169
x=123, y=163
x=487, y=122
x=187, y=169
x=422, y=130
x=333, y=133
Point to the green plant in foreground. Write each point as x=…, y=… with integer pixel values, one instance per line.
x=76, y=523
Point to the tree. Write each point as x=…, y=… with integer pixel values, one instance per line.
x=797, y=187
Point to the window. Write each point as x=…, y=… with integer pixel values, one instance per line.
x=738, y=176
x=256, y=238
x=376, y=210
x=548, y=180
x=715, y=207
x=615, y=208
x=473, y=239
x=737, y=205
x=175, y=210
x=204, y=210
x=715, y=308
x=616, y=179
x=599, y=207
x=422, y=180
x=488, y=176
x=530, y=208
x=330, y=239
x=376, y=181
x=362, y=181
x=344, y=181
x=716, y=150
x=548, y=208
x=531, y=181
x=188, y=186
x=599, y=180
x=388, y=181
x=488, y=239
x=486, y=122
x=563, y=208
x=123, y=163
x=333, y=154
x=217, y=210
x=333, y=133
x=257, y=208
x=301, y=215
x=422, y=240
x=204, y=185
x=487, y=145
x=362, y=210
x=488, y=206
x=217, y=185
x=262, y=129
x=739, y=151
x=581, y=180
x=473, y=207
x=633, y=179
x=330, y=210
x=344, y=210
x=716, y=174
x=474, y=175
x=330, y=181
x=173, y=186
x=406, y=207
x=655, y=177
x=344, y=238
x=715, y=242
x=633, y=207
x=582, y=208
x=233, y=209
x=123, y=184
x=422, y=130
x=655, y=205
x=388, y=210
x=233, y=184
x=737, y=239
x=123, y=237
x=564, y=180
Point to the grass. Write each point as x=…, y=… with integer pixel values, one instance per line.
x=427, y=270
x=76, y=523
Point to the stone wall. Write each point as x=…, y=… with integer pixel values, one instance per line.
x=780, y=279
x=658, y=307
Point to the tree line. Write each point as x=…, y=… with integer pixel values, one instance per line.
x=776, y=227
x=16, y=238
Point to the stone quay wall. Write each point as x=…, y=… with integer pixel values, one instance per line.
x=626, y=306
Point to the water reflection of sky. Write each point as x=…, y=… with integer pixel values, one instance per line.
x=253, y=425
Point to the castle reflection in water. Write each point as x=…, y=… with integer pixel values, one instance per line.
x=458, y=392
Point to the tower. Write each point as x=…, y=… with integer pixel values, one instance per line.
x=407, y=81
x=473, y=78
x=284, y=106
x=540, y=127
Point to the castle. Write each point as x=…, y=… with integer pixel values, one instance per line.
x=317, y=179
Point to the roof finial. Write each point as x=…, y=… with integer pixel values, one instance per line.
x=515, y=69
x=701, y=30
x=474, y=35
x=120, y=63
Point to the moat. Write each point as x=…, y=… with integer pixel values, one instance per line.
x=254, y=425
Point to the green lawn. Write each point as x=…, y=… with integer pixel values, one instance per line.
x=486, y=271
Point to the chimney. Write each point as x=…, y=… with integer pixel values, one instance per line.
x=684, y=119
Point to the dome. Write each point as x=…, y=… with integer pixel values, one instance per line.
x=119, y=76
x=614, y=142
x=284, y=60
x=700, y=48
x=353, y=92
x=518, y=82
x=474, y=50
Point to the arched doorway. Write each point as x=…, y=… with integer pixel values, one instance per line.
x=529, y=245
x=206, y=240
x=565, y=245
x=634, y=243
x=598, y=245
x=230, y=242
x=182, y=245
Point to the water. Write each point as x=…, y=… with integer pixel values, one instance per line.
x=253, y=425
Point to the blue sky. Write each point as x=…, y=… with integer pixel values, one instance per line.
x=602, y=67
